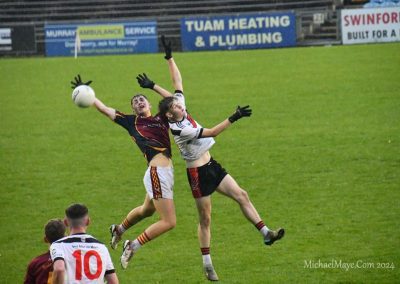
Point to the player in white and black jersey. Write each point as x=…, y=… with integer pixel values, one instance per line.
x=205, y=175
x=79, y=257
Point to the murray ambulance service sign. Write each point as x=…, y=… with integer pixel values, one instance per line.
x=370, y=25
x=101, y=38
x=243, y=31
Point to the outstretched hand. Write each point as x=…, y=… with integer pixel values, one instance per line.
x=144, y=81
x=78, y=82
x=239, y=113
x=167, y=48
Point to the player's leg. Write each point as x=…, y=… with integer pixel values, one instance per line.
x=159, y=182
x=204, y=233
x=166, y=209
x=137, y=214
x=162, y=182
x=230, y=188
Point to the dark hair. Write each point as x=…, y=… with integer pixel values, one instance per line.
x=164, y=105
x=54, y=230
x=76, y=211
x=136, y=96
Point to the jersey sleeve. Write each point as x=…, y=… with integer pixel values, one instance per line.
x=56, y=252
x=121, y=119
x=109, y=264
x=188, y=133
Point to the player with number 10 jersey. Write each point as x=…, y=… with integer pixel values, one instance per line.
x=86, y=259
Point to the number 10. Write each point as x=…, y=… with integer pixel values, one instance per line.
x=86, y=268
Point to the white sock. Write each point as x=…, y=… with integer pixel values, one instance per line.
x=264, y=231
x=135, y=245
x=207, y=259
x=121, y=229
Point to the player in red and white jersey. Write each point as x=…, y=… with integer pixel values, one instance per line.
x=79, y=257
x=205, y=175
x=185, y=130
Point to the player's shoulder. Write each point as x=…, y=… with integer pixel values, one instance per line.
x=40, y=259
x=124, y=115
x=178, y=125
x=121, y=117
x=60, y=240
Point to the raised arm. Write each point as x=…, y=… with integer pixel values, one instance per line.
x=100, y=106
x=173, y=68
x=217, y=129
x=146, y=83
x=161, y=91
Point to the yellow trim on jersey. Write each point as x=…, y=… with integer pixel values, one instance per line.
x=157, y=148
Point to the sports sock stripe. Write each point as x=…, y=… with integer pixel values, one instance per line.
x=259, y=225
x=126, y=224
x=143, y=238
x=205, y=251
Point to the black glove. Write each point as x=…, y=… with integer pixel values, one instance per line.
x=145, y=81
x=78, y=82
x=239, y=113
x=167, y=48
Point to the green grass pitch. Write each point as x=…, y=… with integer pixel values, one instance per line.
x=320, y=156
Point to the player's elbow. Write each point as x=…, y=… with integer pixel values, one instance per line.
x=109, y=112
x=212, y=132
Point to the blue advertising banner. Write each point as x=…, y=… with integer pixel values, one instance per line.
x=243, y=31
x=101, y=38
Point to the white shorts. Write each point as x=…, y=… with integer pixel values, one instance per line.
x=159, y=182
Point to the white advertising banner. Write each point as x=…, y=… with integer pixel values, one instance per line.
x=370, y=25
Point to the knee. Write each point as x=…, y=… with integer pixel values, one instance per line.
x=242, y=197
x=205, y=219
x=170, y=223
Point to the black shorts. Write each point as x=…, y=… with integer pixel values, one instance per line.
x=204, y=180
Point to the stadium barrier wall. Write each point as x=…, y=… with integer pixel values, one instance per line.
x=240, y=31
x=17, y=40
x=370, y=25
x=382, y=26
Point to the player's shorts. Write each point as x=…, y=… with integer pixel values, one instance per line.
x=159, y=182
x=204, y=180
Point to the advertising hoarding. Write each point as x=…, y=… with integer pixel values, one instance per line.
x=243, y=31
